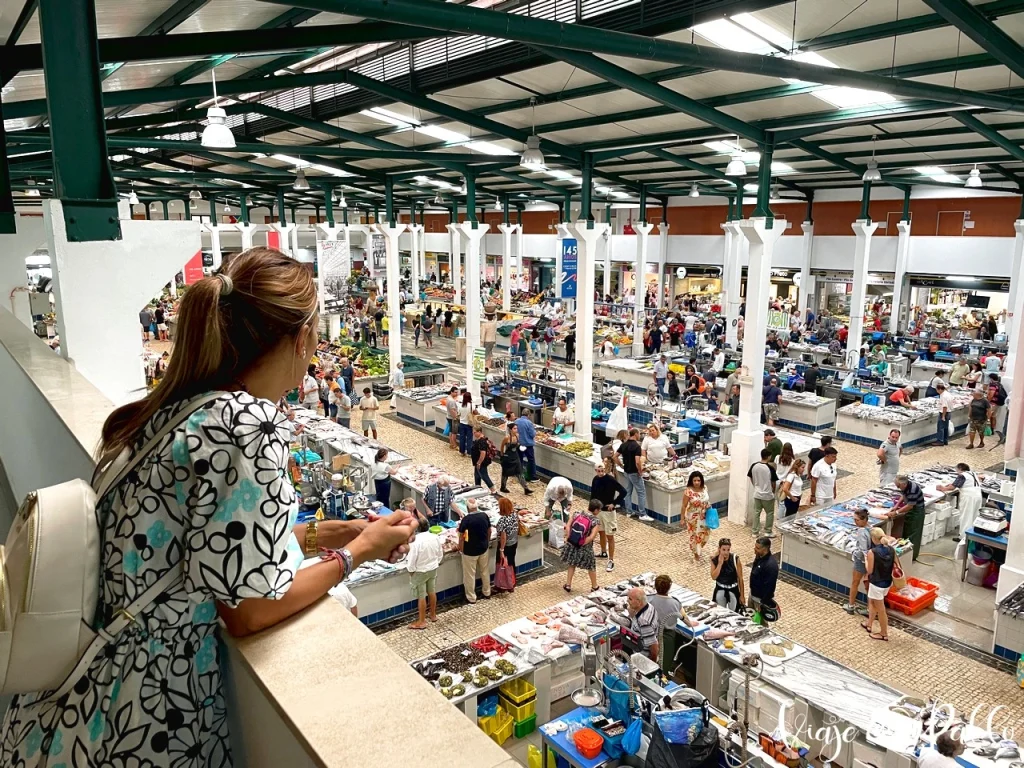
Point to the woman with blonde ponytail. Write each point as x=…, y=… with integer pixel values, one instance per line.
x=213, y=502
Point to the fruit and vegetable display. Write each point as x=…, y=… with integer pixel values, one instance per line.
x=367, y=360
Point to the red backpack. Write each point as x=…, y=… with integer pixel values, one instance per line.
x=579, y=529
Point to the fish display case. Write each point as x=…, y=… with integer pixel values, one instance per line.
x=870, y=424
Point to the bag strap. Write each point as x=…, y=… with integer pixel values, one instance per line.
x=122, y=619
x=109, y=478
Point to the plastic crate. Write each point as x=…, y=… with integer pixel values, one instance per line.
x=910, y=607
x=503, y=725
x=487, y=724
x=518, y=691
x=519, y=712
x=525, y=728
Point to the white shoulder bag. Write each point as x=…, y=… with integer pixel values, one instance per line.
x=50, y=579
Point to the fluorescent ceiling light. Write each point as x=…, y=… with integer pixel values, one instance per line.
x=949, y=178
x=766, y=31
x=488, y=148
x=780, y=167
x=725, y=147
x=442, y=134
x=388, y=117
x=619, y=194
x=298, y=162
x=929, y=170
x=559, y=174
x=733, y=37
x=750, y=187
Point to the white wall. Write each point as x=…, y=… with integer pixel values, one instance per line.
x=979, y=256
x=14, y=249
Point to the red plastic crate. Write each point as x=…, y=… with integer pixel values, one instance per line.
x=910, y=607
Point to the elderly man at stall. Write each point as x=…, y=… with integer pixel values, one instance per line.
x=644, y=622
x=439, y=502
x=911, y=505
x=959, y=370
x=397, y=382
x=559, y=491
x=564, y=417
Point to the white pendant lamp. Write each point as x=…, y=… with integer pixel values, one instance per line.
x=438, y=200
x=32, y=191
x=694, y=192
x=300, y=184
x=532, y=157
x=974, y=178
x=342, y=202
x=497, y=204
x=195, y=194
x=133, y=199
x=216, y=134
x=872, y=173
x=736, y=167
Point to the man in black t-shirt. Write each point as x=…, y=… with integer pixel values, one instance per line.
x=817, y=454
x=811, y=378
x=630, y=458
x=480, y=459
x=474, y=539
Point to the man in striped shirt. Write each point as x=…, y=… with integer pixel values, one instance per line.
x=644, y=621
x=911, y=505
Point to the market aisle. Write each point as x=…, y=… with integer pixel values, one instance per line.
x=909, y=663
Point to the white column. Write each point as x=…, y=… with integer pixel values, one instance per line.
x=862, y=229
x=1015, y=299
x=473, y=303
x=247, y=231
x=748, y=439
x=284, y=232
x=643, y=231
x=900, y=277
x=662, y=262
x=520, y=255
x=97, y=317
x=293, y=241
x=391, y=262
x=806, y=251
x=218, y=256
x=1011, y=575
x=733, y=273
x=507, y=230
x=456, y=260
x=416, y=235
x=609, y=242
x=328, y=232
x=587, y=235
x=14, y=249
x=562, y=232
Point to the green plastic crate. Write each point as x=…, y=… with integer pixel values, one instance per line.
x=525, y=728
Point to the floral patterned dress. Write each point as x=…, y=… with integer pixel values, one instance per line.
x=696, y=509
x=214, y=501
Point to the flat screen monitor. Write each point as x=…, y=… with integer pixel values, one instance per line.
x=806, y=357
x=977, y=302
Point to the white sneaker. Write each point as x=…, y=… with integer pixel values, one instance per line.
x=611, y=566
x=645, y=519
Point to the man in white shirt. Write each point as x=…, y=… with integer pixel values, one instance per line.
x=718, y=365
x=945, y=411
x=309, y=389
x=397, y=382
x=425, y=554
x=765, y=481
x=823, y=478
x=564, y=417
x=661, y=374
x=559, y=490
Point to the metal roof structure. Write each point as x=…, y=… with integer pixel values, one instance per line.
x=403, y=99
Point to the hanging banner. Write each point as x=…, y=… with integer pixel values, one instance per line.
x=778, y=321
x=273, y=239
x=334, y=267
x=193, y=271
x=378, y=256
x=570, y=253
x=479, y=364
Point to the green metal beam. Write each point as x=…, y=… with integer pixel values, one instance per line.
x=8, y=226
x=978, y=28
x=764, y=184
x=24, y=16
x=1007, y=174
x=178, y=13
x=659, y=93
x=990, y=133
x=454, y=18
x=82, y=177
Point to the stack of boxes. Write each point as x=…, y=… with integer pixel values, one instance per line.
x=938, y=521
x=518, y=698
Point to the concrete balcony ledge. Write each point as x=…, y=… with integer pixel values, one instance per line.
x=317, y=690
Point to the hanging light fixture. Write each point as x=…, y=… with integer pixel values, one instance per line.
x=871, y=173
x=974, y=178
x=32, y=191
x=497, y=204
x=227, y=208
x=216, y=134
x=532, y=157
x=694, y=192
x=195, y=194
x=464, y=189
x=342, y=202
x=133, y=199
x=438, y=200
x=300, y=184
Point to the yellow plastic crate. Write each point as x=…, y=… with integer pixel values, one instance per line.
x=518, y=691
x=486, y=724
x=519, y=712
x=503, y=725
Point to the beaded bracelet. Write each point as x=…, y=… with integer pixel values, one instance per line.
x=333, y=554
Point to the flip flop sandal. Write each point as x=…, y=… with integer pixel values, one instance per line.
x=865, y=627
x=875, y=636
x=567, y=588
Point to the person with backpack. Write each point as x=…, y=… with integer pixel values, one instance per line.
x=205, y=455
x=481, y=453
x=997, y=396
x=578, y=551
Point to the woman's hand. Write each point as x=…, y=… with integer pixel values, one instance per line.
x=386, y=538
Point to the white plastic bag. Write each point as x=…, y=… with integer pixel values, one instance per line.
x=618, y=419
x=961, y=550
x=556, y=535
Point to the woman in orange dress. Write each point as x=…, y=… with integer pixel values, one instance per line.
x=695, y=507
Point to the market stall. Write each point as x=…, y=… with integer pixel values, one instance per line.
x=870, y=424
x=925, y=370
x=416, y=404
x=806, y=410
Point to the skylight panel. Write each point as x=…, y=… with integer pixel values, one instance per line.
x=725, y=34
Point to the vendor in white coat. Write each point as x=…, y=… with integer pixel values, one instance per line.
x=397, y=382
x=970, y=496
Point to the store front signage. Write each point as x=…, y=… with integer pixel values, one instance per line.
x=193, y=271
x=570, y=257
x=334, y=267
x=962, y=283
x=479, y=364
x=680, y=273
x=379, y=252
x=777, y=321
x=847, y=277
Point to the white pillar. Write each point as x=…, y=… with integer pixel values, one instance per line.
x=284, y=233
x=97, y=317
x=455, y=260
x=328, y=232
x=662, y=262
x=1015, y=299
x=1011, y=575
x=473, y=302
x=862, y=229
x=587, y=235
x=748, y=439
x=562, y=232
x=391, y=263
x=507, y=230
x=609, y=242
x=14, y=249
x=520, y=255
x=247, y=231
x=293, y=241
x=643, y=231
x=806, y=251
x=900, y=277
x=415, y=275
x=733, y=273
x=218, y=256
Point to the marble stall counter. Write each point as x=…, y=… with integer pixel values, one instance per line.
x=831, y=687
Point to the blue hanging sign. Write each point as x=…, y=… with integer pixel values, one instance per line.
x=569, y=269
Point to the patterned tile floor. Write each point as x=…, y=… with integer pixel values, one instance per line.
x=914, y=660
